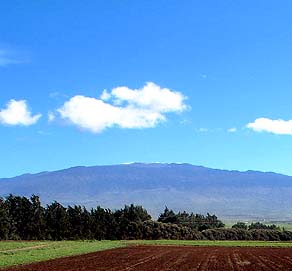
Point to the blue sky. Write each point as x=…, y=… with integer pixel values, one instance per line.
x=219, y=92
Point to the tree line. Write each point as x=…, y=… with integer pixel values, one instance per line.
x=23, y=218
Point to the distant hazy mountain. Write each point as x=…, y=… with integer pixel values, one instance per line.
x=229, y=194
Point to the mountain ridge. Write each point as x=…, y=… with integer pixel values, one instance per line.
x=147, y=164
x=181, y=186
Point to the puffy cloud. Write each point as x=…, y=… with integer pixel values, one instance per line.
x=123, y=107
x=279, y=126
x=17, y=113
x=105, y=95
x=151, y=96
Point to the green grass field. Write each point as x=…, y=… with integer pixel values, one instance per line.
x=14, y=253
x=18, y=252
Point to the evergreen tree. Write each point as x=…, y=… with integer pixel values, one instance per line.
x=57, y=221
x=5, y=221
x=239, y=225
x=168, y=216
x=37, y=222
x=20, y=212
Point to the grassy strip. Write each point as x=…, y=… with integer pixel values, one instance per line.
x=213, y=243
x=52, y=250
x=9, y=245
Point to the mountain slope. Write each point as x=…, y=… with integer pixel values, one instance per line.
x=229, y=194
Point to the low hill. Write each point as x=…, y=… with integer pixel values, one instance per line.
x=249, y=195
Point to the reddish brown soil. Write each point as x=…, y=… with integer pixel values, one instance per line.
x=159, y=258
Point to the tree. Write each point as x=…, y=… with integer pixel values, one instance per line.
x=20, y=212
x=5, y=221
x=239, y=225
x=75, y=221
x=129, y=220
x=168, y=216
x=103, y=224
x=195, y=221
x=57, y=221
x=261, y=226
x=37, y=221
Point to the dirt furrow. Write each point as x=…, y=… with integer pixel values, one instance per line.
x=171, y=258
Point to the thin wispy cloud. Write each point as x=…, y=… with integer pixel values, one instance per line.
x=276, y=126
x=216, y=130
x=57, y=95
x=232, y=130
x=51, y=116
x=8, y=58
x=203, y=75
x=123, y=107
x=54, y=94
x=43, y=133
x=186, y=122
x=203, y=130
x=18, y=113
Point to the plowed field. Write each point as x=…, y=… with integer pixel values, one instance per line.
x=160, y=258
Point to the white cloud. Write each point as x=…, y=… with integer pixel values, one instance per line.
x=232, y=130
x=151, y=96
x=279, y=126
x=123, y=107
x=17, y=113
x=105, y=95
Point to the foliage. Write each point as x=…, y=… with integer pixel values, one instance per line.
x=194, y=221
x=24, y=218
x=240, y=225
x=261, y=226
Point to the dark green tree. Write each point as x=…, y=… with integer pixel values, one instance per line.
x=168, y=216
x=129, y=220
x=37, y=223
x=75, y=220
x=20, y=212
x=261, y=226
x=5, y=221
x=57, y=221
x=240, y=225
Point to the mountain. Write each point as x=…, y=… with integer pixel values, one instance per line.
x=229, y=194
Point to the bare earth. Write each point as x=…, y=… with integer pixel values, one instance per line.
x=142, y=258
